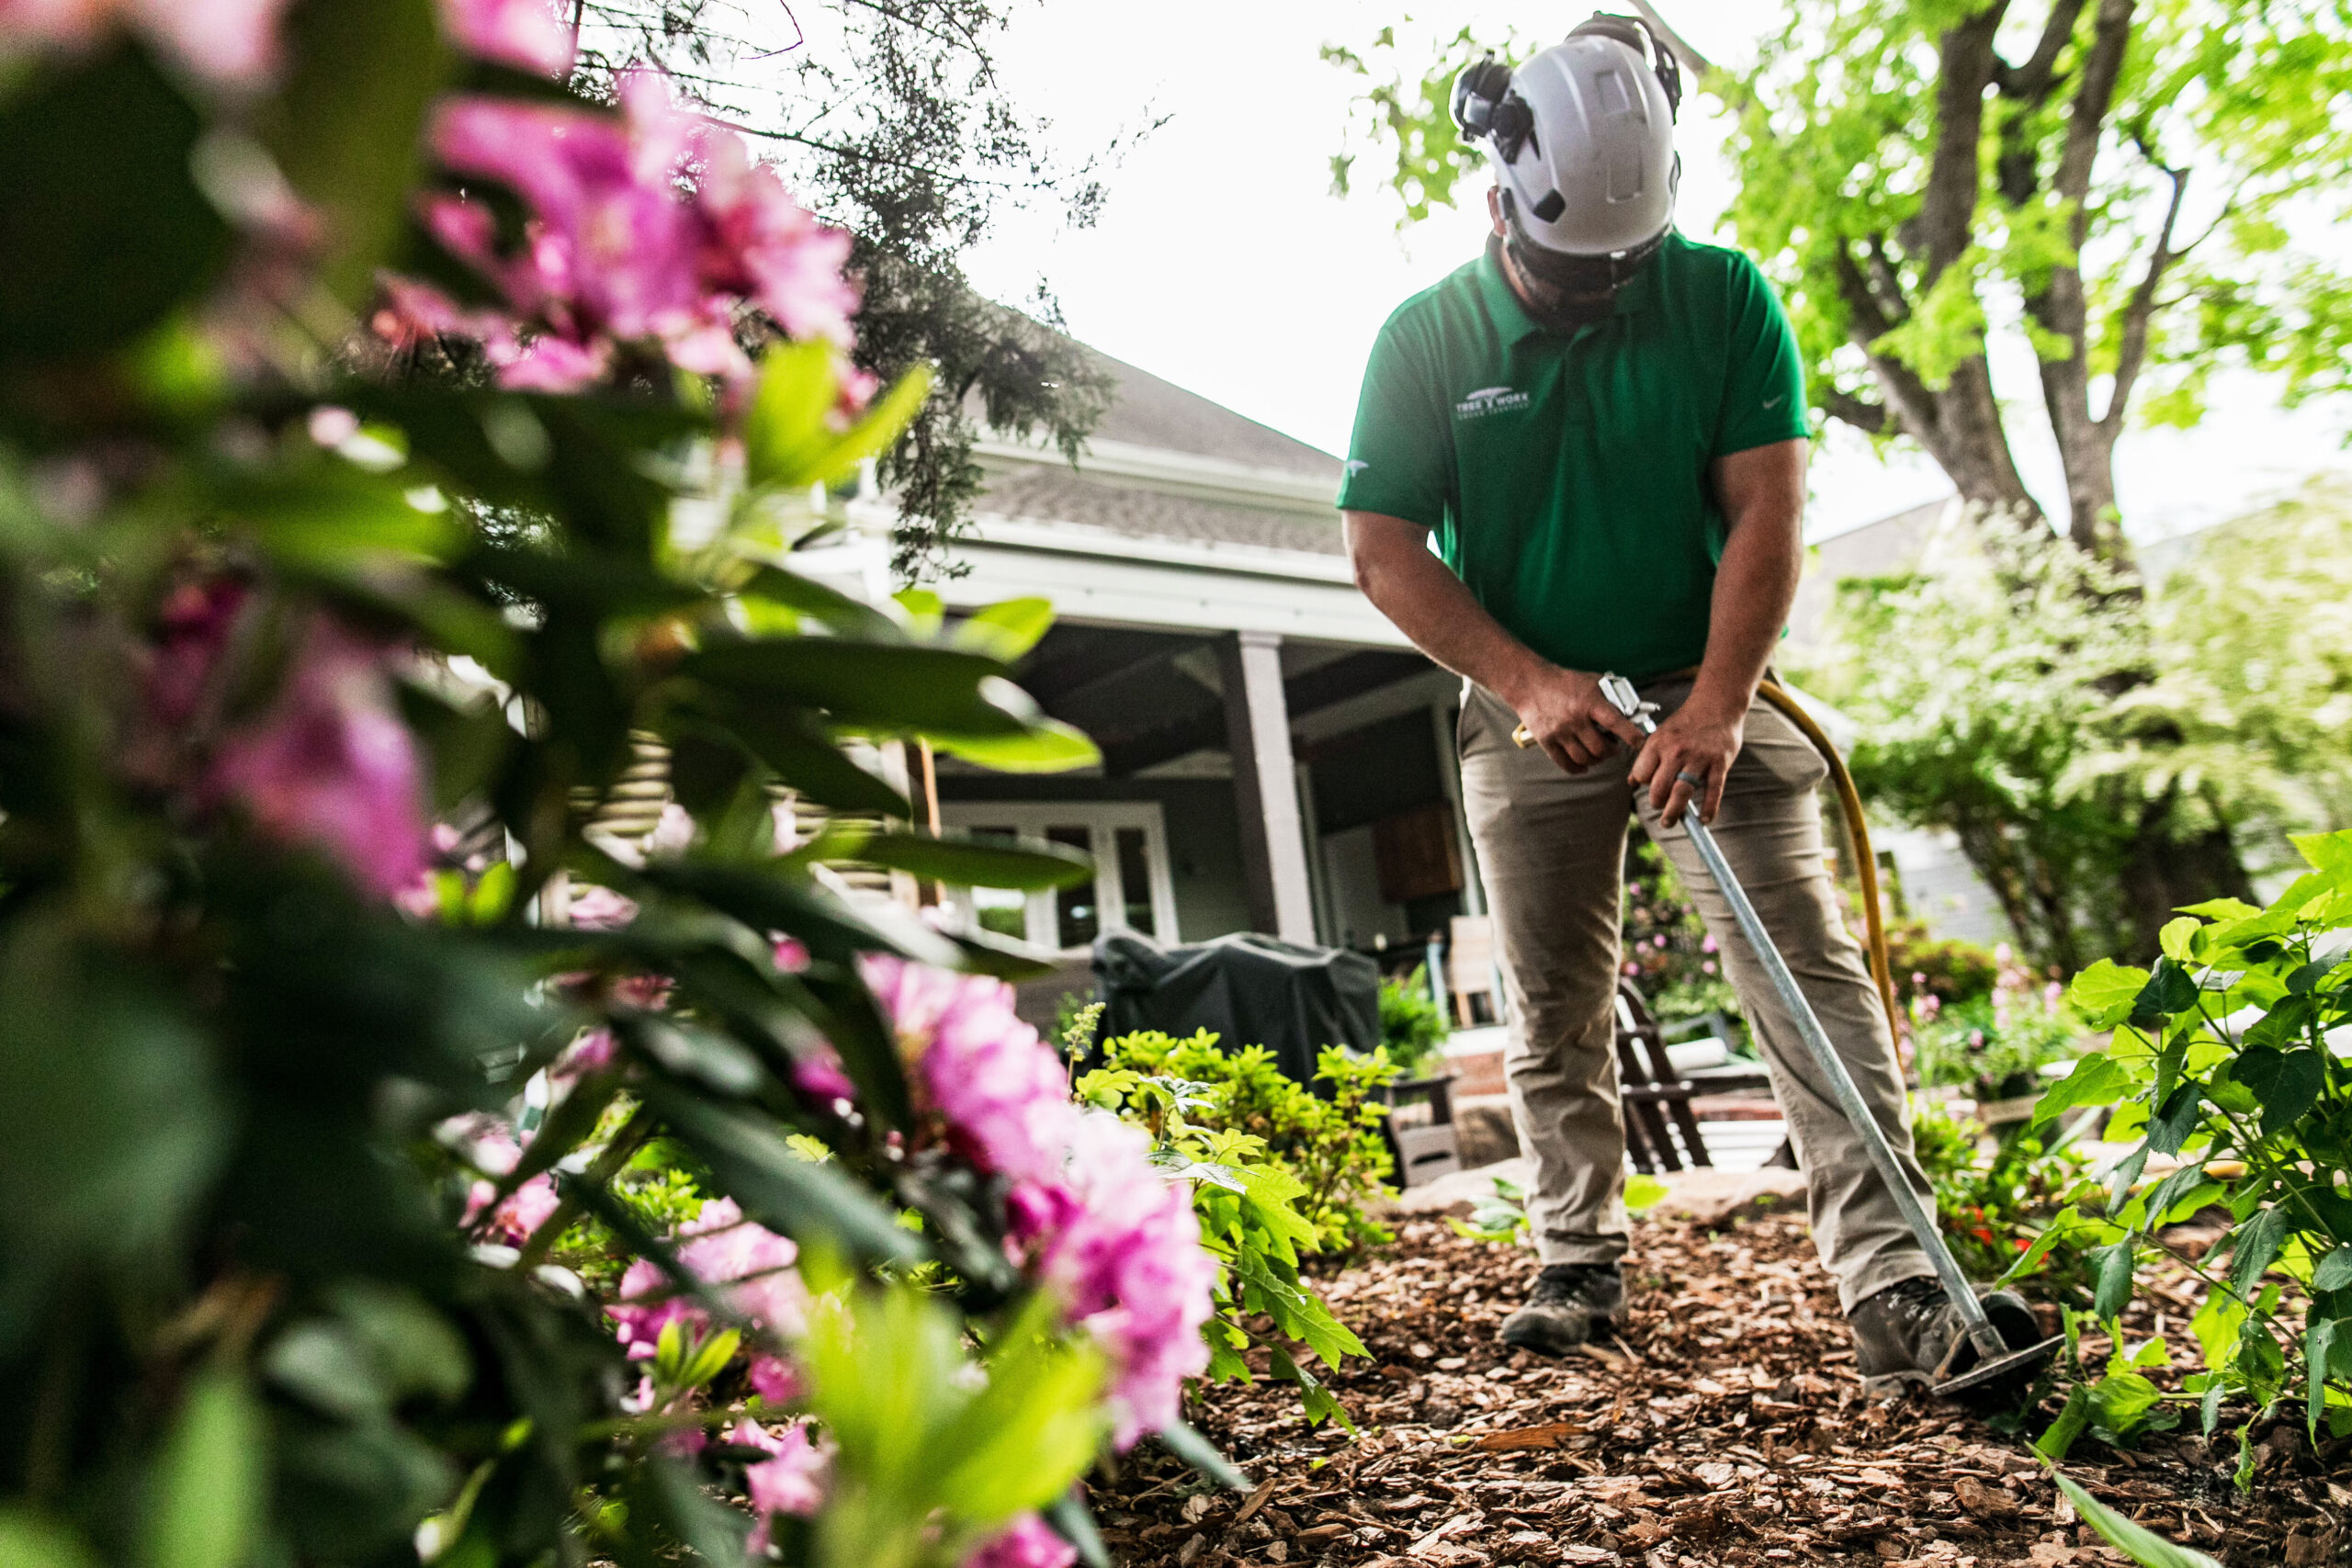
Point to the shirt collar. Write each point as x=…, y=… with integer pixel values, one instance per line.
x=1511, y=316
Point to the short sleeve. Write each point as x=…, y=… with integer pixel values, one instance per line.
x=1764, y=375
x=1399, y=458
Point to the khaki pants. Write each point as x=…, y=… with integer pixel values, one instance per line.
x=1552, y=848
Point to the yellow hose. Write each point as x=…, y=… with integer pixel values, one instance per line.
x=1858, y=834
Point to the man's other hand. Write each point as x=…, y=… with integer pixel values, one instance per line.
x=1565, y=714
x=1700, y=740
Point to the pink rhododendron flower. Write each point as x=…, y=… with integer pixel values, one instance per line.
x=752, y=1267
x=1029, y=1542
x=1116, y=1242
x=620, y=246
x=331, y=764
x=790, y=1480
x=1005, y=1096
x=521, y=33
x=591, y=1053
x=194, y=627
x=595, y=909
x=819, y=1077
x=490, y=1145
x=1131, y=1271
x=774, y=1379
x=229, y=41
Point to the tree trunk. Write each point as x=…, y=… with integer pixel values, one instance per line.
x=2162, y=873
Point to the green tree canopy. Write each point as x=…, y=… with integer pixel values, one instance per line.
x=2120, y=183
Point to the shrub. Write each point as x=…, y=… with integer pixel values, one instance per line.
x=1330, y=1142
x=1248, y=1205
x=1413, y=1027
x=2220, y=1058
x=1993, y=1045
x=1667, y=950
x=1947, y=969
x=1995, y=1207
x=311, y=1105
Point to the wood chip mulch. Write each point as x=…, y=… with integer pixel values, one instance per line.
x=1726, y=1425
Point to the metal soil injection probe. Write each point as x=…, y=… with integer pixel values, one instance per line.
x=1995, y=1360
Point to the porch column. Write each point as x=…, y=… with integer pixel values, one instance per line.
x=1273, y=838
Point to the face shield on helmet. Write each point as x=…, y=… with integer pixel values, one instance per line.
x=1582, y=141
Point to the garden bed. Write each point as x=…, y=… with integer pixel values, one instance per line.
x=1725, y=1425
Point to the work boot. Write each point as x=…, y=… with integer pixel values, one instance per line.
x=1570, y=1304
x=1902, y=1334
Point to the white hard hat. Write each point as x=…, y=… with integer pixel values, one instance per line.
x=1582, y=140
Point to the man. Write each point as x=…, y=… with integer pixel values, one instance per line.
x=1603, y=423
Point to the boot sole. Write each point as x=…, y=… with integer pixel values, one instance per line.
x=1544, y=1344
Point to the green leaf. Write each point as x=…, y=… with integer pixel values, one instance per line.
x=2319, y=1346
x=806, y=1200
x=2178, y=936
x=867, y=685
x=1007, y=630
x=102, y=231
x=1315, y=1400
x=2138, y=1542
x=828, y=606
x=2110, y=1269
x=2255, y=1247
x=347, y=123
x=871, y=435
x=2222, y=909
x=1046, y=746
x=2053, y=1443
x=1643, y=1191
x=783, y=430
x=2306, y=979
x=209, y=1478
x=1025, y=864
x=2104, y=993
x=2121, y=1399
x=28, y=1539
x=2180, y=1116
x=2334, y=1270
x=2095, y=1080
x=1075, y=1523
x=2169, y=990
x=1188, y=1446
x=2287, y=1083
x=2190, y=1182
x=2061, y=1226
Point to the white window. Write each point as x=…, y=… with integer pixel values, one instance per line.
x=1131, y=889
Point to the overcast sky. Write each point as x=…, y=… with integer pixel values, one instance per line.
x=1224, y=264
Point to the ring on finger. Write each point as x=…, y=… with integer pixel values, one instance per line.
x=1697, y=781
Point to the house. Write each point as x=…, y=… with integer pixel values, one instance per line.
x=1276, y=757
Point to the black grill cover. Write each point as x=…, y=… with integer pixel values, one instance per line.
x=1247, y=989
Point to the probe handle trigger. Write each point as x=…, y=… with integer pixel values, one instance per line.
x=1622, y=696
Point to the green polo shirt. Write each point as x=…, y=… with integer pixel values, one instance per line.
x=1567, y=475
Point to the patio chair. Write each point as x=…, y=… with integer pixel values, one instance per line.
x=1661, y=1130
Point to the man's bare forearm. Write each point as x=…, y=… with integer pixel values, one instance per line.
x=1756, y=582
x=1429, y=603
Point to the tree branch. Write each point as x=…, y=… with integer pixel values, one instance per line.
x=1947, y=217
x=2131, y=352
x=2032, y=81
x=1690, y=58
x=1870, y=419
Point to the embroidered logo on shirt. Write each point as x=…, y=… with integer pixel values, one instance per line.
x=1772, y=404
x=1356, y=466
x=1489, y=399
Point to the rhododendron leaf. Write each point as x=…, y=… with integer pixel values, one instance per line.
x=863, y=684
x=873, y=436
x=1046, y=746
x=347, y=121
x=1023, y=865
x=210, y=1480
x=784, y=431
x=1002, y=958
x=1006, y=630
x=828, y=606
x=102, y=231
x=746, y=1151
x=1187, y=1444
x=40, y=1542
x=1075, y=1523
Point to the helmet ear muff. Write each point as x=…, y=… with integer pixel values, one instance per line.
x=1484, y=105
